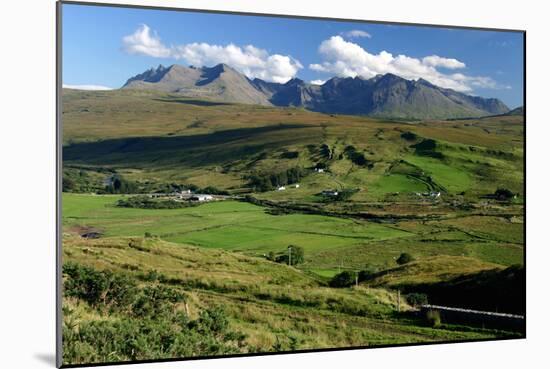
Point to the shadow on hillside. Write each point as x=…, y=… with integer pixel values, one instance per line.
x=495, y=290
x=195, y=150
x=194, y=102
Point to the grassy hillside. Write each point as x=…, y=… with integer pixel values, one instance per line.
x=154, y=137
x=243, y=304
x=459, y=281
x=430, y=270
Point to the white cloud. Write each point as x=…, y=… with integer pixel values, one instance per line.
x=88, y=87
x=438, y=61
x=142, y=42
x=318, y=82
x=347, y=59
x=250, y=60
x=356, y=33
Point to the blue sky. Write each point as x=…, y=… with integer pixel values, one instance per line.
x=104, y=46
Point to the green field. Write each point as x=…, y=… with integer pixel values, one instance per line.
x=431, y=195
x=329, y=242
x=229, y=225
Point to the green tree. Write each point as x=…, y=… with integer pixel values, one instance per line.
x=120, y=185
x=69, y=184
x=343, y=279
x=504, y=194
x=404, y=258
x=417, y=299
x=297, y=254
x=367, y=273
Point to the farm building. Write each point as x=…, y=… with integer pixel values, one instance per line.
x=200, y=197
x=184, y=194
x=432, y=194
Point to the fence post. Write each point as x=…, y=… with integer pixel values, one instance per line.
x=398, y=301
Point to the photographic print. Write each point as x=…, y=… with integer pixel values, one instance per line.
x=239, y=184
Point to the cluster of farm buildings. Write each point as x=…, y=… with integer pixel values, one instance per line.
x=188, y=195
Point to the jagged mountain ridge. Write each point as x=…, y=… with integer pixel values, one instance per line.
x=382, y=96
x=220, y=82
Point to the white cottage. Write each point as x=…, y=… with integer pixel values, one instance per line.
x=201, y=198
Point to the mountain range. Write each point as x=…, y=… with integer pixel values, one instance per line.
x=385, y=95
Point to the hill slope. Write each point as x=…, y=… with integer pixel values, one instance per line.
x=213, y=302
x=162, y=137
x=517, y=111
x=460, y=281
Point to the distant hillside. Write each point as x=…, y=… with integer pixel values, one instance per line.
x=517, y=111
x=382, y=96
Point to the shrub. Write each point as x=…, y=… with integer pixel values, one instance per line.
x=343, y=195
x=321, y=165
x=156, y=337
x=367, y=273
x=145, y=202
x=156, y=300
x=343, y=279
x=268, y=181
x=357, y=158
x=211, y=190
x=417, y=299
x=325, y=151
x=433, y=318
x=68, y=184
x=427, y=147
x=297, y=256
x=121, y=185
x=149, y=324
x=213, y=320
x=79, y=181
x=404, y=258
x=290, y=155
x=409, y=136
x=504, y=194
x=98, y=287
